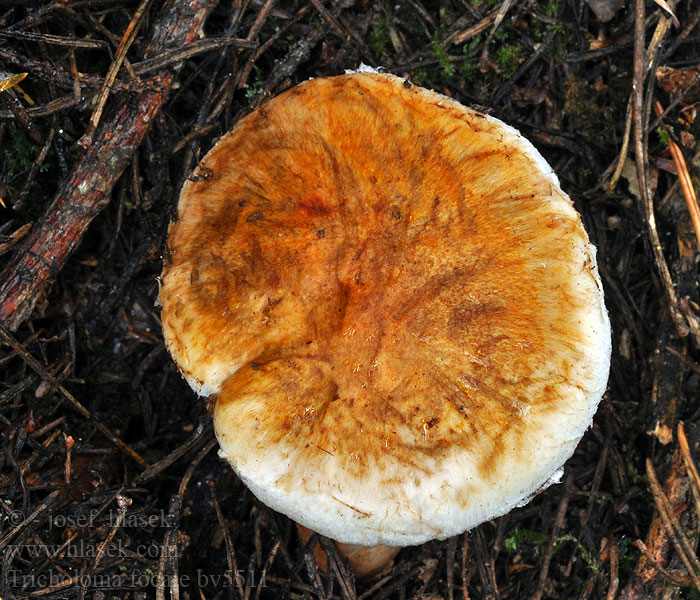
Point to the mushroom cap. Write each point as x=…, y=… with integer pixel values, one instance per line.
x=396, y=305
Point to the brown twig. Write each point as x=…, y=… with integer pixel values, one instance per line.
x=52, y=39
x=124, y=44
x=465, y=571
x=47, y=71
x=460, y=37
x=340, y=572
x=175, y=56
x=167, y=566
x=200, y=435
x=558, y=525
x=640, y=64
x=123, y=504
x=689, y=466
x=47, y=109
x=266, y=567
x=230, y=550
x=450, y=563
x=15, y=237
x=613, y=552
x=622, y=156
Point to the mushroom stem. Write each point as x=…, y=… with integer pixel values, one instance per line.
x=365, y=561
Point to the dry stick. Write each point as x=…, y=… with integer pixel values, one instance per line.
x=44, y=110
x=120, y=55
x=70, y=582
x=7, y=338
x=465, y=575
x=481, y=558
x=230, y=550
x=200, y=434
x=35, y=513
x=337, y=567
x=597, y=480
x=614, y=570
x=87, y=190
x=168, y=554
x=502, y=11
x=691, y=24
x=460, y=37
x=311, y=566
x=686, y=182
x=57, y=40
x=680, y=541
x=123, y=504
x=523, y=68
x=450, y=563
x=27, y=463
x=654, y=46
x=266, y=568
x=74, y=73
x=674, y=188
x=689, y=466
x=15, y=237
x=558, y=525
x=43, y=69
x=679, y=321
x=113, y=38
x=22, y=115
x=68, y=442
x=623, y=151
x=178, y=55
x=260, y=19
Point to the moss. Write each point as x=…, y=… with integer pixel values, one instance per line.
x=663, y=135
x=509, y=58
x=379, y=36
x=441, y=55
x=257, y=86
x=525, y=537
x=585, y=109
x=551, y=8
x=18, y=152
x=469, y=69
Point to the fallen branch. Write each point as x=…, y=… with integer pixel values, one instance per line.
x=87, y=191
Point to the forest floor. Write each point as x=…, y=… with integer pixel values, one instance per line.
x=110, y=484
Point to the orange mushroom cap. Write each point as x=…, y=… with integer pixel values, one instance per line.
x=395, y=304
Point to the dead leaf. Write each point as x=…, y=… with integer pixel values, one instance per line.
x=629, y=172
x=669, y=13
x=680, y=81
x=8, y=81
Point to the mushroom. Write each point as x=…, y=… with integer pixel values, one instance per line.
x=395, y=305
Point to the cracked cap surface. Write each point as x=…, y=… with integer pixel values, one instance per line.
x=396, y=305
